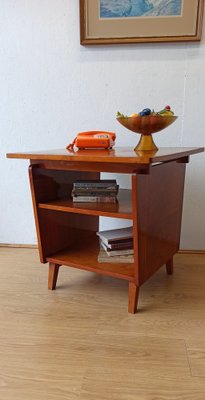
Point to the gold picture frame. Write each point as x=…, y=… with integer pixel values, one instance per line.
x=101, y=26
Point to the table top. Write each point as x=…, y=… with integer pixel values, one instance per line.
x=122, y=155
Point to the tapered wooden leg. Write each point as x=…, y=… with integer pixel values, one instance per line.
x=133, y=297
x=169, y=267
x=52, y=275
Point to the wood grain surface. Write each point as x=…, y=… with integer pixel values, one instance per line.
x=79, y=343
x=121, y=155
x=121, y=209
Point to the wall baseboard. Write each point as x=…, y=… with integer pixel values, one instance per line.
x=191, y=252
x=35, y=246
x=16, y=245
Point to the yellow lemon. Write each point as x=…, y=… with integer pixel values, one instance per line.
x=167, y=113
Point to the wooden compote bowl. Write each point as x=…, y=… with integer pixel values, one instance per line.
x=146, y=126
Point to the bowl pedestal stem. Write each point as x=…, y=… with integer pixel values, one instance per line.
x=146, y=143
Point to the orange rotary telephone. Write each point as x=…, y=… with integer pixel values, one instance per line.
x=93, y=140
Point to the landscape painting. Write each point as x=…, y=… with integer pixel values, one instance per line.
x=140, y=21
x=139, y=8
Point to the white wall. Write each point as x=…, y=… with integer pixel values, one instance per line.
x=51, y=88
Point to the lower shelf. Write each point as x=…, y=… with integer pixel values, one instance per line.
x=84, y=256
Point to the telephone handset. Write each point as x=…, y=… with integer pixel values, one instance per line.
x=93, y=140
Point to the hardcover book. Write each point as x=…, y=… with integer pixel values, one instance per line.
x=103, y=183
x=94, y=199
x=119, y=252
x=94, y=192
x=103, y=258
x=116, y=234
x=121, y=244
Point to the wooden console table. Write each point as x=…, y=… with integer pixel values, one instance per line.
x=66, y=231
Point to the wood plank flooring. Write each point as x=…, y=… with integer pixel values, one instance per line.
x=79, y=342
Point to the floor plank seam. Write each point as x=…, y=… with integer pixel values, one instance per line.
x=187, y=354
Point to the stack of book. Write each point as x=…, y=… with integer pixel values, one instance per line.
x=90, y=191
x=116, y=245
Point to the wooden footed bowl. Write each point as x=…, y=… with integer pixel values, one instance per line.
x=146, y=126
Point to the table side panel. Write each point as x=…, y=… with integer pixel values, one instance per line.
x=56, y=230
x=159, y=197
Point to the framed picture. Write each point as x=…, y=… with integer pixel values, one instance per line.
x=135, y=21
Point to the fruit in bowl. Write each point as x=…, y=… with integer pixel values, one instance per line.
x=147, y=122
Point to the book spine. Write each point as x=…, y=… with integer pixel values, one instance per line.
x=110, y=242
x=116, y=235
x=113, y=253
x=94, y=199
x=104, y=258
x=117, y=260
x=95, y=185
x=95, y=189
x=120, y=253
x=93, y=193
x=121, y=245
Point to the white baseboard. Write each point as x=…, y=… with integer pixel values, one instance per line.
x=191, y=252
x=16, y=245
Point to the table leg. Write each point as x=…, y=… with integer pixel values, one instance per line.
x=169, y=267
x=52, y=275
x=133, y=297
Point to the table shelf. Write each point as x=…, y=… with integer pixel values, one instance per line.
x=83, y=254
x=121, y=209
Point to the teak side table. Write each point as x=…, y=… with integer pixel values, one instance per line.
x=66, y=231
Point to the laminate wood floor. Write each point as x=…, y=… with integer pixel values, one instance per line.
x=79, y=342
